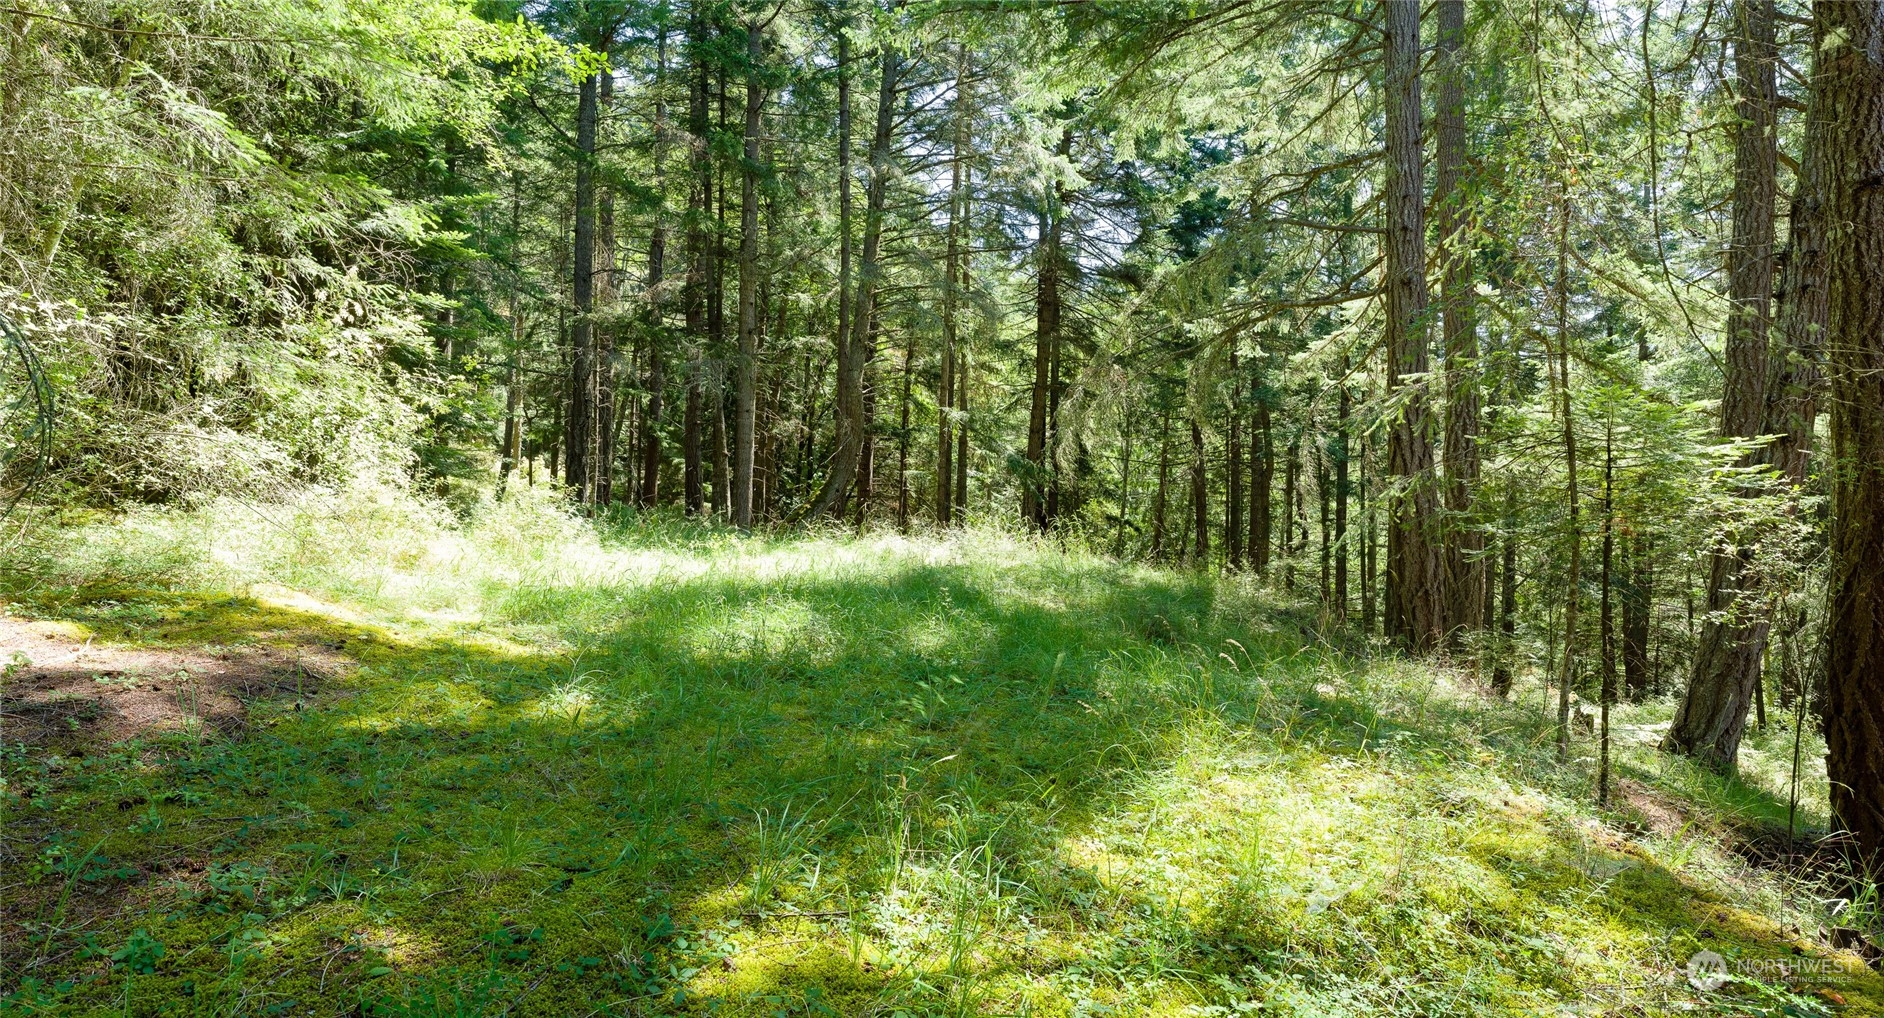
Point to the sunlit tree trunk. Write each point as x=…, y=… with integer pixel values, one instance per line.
x=1713, y=714
x=578, y=427
x=1849, y=93
x=1465, y=543
x=1415, y=578
x=746, y=362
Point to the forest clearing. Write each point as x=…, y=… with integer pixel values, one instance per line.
x=941, y=507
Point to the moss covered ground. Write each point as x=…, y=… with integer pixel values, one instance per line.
x=646, y=767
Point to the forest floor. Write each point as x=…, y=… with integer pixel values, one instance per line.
x=351, y=757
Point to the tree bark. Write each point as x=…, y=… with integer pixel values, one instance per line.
x=1849, y=94
x=1233, y=498
x=578, y=428
x=1037, y=489
x=1465, y=543
x=699, y=264
x=1200, y=497
x=746, y=363
x=847, y=462
x=1415, y=580
x=1263, y=461
x=1713, y=715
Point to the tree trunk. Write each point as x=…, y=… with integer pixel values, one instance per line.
x=1713, y=714
x=1164, y=481
x=1036, y=488
x=513, y=374
x=1465, y=544
x=1849, y=93
x=1606, y=611
x=961, y=433
x=848, y=459
x=1200, y=497
x=1415, y=580
x=578, y=428
x=746, y=363
x=699, y=264
x=1233, y=498
x=1263, y=458
x=1342, y=413
x=1801, y=315
x=946, y=495
x=1638, y=598
x=1507, y=597
x=1573, y=584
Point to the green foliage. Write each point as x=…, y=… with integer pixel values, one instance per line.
x=655, y=763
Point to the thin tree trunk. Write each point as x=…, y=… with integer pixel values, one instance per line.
x=848, y=459
x=746, y=363
x=946, y=494
x=961, y=433
x=648, y=494
x=1713, y=715
x=699, y=264
x=1233, y=500
x=1606, y=611
x=578, y=428
x=1200, y=497
x=1573, y=585
x=1849, y=93
x=1342, y=412
x=1263, y=459
x=1507, y=597
x=1164, y=480
x=1415, y=579
x=1036, y=489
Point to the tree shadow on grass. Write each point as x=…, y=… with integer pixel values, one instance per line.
x=818, y=793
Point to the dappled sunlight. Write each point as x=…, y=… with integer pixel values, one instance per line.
x=966, y=776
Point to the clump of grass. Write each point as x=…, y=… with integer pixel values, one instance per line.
x=650, y=766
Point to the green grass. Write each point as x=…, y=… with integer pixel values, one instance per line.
x=661, y=768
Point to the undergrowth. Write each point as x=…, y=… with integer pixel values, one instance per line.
x=648, y=766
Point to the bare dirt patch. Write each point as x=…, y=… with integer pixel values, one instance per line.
x=58, y=685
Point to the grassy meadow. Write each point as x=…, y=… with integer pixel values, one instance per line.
x=651, y=767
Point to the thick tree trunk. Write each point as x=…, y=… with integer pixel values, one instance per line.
x=1415, y=577
x=1849, y=94
x=746, y=362
x=1465, y=543
x=1713, y=715
x=1801, y=314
